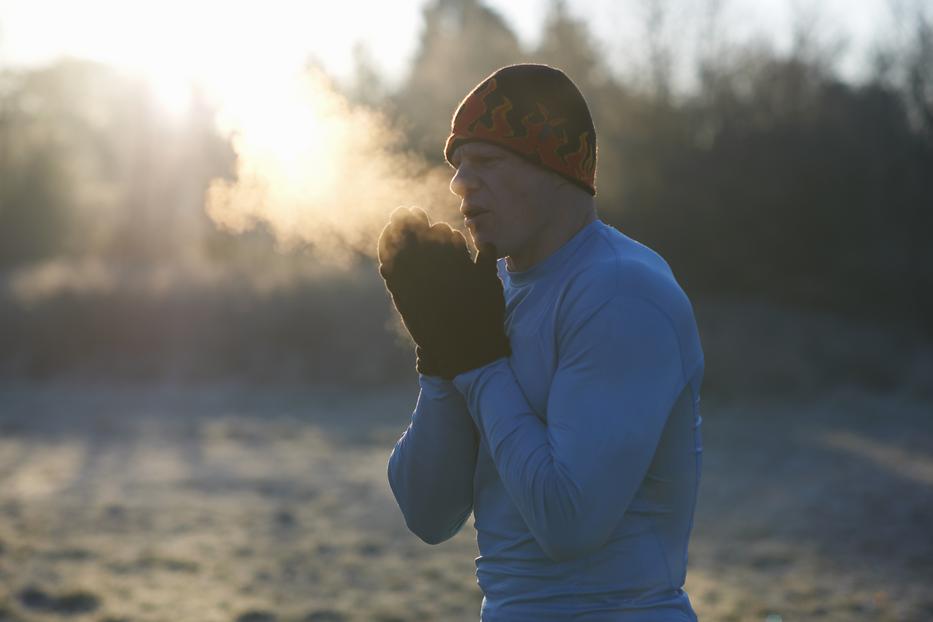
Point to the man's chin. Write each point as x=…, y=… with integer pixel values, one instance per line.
x=480, y=239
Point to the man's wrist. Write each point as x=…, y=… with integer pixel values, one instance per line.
x=437, y=387
x=464, y=380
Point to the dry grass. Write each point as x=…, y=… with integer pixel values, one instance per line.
x=238, y=504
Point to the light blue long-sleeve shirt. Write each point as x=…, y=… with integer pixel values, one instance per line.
x=579, y=455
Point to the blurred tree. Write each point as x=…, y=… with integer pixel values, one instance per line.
x=660, y=55
x=33, y=204
x=567, y=43
x=919, y=97
x=919, y=67
x=791, y=186
x=41, y=129
x=774, y=179
x=463, y=41
x=366, y=85
x=711, y=34
x=90, y=167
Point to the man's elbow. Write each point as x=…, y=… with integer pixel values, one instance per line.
x=428, y=536
x=434, y=532
x=431, y=524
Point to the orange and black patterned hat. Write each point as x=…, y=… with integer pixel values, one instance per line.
x=535, y=111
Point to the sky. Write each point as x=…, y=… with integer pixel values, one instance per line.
x=169, y=39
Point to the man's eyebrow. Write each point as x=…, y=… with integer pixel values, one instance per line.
x=464, y=153
x=480, y=154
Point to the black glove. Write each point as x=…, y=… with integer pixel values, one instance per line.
x=453, y=308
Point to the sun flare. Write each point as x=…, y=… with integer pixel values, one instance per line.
x=310, y=165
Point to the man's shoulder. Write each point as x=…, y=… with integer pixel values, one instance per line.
x=620, y=270
x=619, y=266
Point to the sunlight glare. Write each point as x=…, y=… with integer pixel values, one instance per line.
x=286, y=131
x=310, y=165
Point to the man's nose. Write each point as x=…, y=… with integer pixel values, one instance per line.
x=463, y=182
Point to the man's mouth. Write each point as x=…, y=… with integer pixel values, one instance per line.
x=471, y=213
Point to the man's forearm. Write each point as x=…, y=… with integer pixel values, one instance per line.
x=519, y=447
x=431, y=467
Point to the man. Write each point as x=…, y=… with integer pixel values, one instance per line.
x=559, y=385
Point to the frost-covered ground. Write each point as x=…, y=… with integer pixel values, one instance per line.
x=229, y=503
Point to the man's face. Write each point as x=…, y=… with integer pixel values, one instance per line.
x=503, y=197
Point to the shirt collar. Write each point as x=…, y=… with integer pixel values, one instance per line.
x=555, y=260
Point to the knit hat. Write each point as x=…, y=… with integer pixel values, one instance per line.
x=535, y=111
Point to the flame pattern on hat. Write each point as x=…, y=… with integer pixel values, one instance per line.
x=542, y=137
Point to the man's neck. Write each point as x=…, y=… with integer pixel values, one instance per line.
x=550, y=240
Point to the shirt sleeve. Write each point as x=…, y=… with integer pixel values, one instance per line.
x=431, y=466
x=618, y=376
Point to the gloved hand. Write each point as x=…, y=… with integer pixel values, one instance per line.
x=453, y=308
